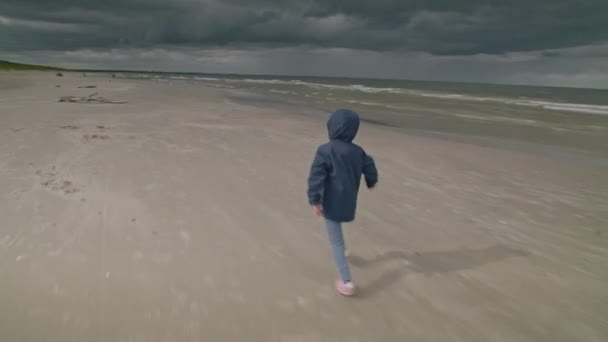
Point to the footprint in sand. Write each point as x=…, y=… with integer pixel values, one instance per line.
x=89, y=137
x=50, y=182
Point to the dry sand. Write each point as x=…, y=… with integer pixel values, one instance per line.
x=181, y=216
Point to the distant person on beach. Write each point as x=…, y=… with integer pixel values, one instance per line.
x=333, y=185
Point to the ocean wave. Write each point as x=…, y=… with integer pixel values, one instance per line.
x=572, y=107
x=549, y=105
x=560, y=106
x=367, y=103
x=314, y=85
x=212, y=79
x=494, y=118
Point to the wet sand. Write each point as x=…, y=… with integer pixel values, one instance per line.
x=182, y=216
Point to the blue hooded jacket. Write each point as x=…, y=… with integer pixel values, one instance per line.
x=336, y=171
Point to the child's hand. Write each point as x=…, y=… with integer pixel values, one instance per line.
x=317, y=209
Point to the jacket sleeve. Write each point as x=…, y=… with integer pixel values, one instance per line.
x=316, y=179
x=369, y=171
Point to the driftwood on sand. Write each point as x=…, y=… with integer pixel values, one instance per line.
x=93, y=98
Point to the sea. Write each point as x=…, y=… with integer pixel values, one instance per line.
x=551, y=120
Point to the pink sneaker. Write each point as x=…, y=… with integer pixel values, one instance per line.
x=345, y=289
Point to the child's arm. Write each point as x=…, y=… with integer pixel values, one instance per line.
x=316, y=179
x=369, y=171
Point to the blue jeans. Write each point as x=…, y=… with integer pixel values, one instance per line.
x=336, y=240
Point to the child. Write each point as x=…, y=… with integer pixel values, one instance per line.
x=333, y=185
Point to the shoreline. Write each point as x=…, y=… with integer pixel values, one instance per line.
x=530, y=127
x=549, y=151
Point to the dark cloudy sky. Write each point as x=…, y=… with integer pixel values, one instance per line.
x=554, y=42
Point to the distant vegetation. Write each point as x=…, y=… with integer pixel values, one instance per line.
x=4, y=65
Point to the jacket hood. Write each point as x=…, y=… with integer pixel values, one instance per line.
x=343, y=125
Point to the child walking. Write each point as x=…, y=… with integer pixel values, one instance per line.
x=333, y=185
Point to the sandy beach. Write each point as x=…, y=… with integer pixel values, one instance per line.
x=182, y=216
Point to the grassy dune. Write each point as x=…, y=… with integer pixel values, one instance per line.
x=4, y=65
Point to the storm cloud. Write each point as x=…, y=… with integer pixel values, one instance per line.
x=435, y=28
